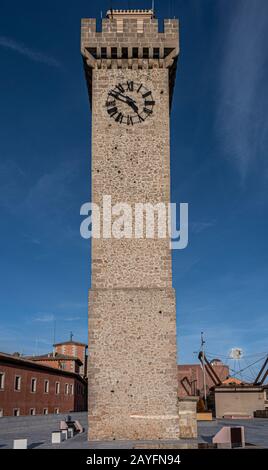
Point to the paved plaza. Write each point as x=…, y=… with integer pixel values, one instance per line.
x=38, y=429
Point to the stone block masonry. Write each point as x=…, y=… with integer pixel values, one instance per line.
x=132, y=380
x=132, y=313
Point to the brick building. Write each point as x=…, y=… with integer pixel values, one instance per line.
x=191, y=378
x=68, y=355
x=32, y=388
x=74, y=349
x=58, y=361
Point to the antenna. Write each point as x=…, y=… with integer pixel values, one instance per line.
x=152, y=5
x=54, y=336
x=54, y=332
x=71, y=336
x=204, y=367
x=36, y=346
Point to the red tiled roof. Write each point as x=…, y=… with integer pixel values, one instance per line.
x=54, y=357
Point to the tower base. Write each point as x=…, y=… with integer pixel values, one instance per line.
x=133, y=384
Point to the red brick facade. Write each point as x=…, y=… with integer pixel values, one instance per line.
x=59, y=361
x=74, y=349
x=69, y=355
x=190, y=378
x=32, y=388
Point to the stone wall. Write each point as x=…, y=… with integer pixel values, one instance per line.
x=132, y=366
x=131, y=164
x=241, y=400
x=109, y=36
x=187, y=417
x=132, y=313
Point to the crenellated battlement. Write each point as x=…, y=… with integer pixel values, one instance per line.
x=131, y=24
x=130, y=39
x=136, y=32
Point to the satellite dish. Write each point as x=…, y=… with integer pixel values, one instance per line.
x=236, y=353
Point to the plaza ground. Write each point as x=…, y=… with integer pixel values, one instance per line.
x=38, y=429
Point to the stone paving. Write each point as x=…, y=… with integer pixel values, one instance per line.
x=38, y=429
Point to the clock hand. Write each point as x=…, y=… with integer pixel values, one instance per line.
x=127, y=98
x=133, y=106
x=117, y=96
x=130, y=99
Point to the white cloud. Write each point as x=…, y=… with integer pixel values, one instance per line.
x=198, y=227
x=44, y=318
x=242, y=116
x=20, y=48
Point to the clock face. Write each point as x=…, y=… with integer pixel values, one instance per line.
x=130, y=103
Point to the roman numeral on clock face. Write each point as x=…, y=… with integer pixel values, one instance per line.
x=130, y=86
x=120, y=88
x=110, y=103
x=119, y=118
x=149, y=103
x=147, y=111
x=146, y=94
x=112, y=111
x=129, y=120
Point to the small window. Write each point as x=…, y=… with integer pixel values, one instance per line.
x=146, y=52
x=17, y=385
x=56, y=411
x=103, y=53
x=156, y=53
x=2, y=380
x=57, y=388
x=114, y=52
x=16, y=412
x=71, y=389
x=32, y=411
x=1, y=412
x=135, y=52
x=45, y=411
x=46, y=386
x=93, y=51
x=167, y=51
x=124, y=53
x=33, y=385
x=66, y=390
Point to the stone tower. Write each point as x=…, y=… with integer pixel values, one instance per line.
x=130, y=70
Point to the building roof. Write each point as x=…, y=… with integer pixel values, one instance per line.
x=217, y=364
x=232, y=381
x=55, y=357
x=9, y=358
x=216, y=361
x=70, y=342
x=139, y=14
x=243, y=387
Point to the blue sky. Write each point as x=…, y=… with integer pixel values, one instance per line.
x=218, y=160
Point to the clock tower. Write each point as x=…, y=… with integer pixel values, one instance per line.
x=130, y=70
